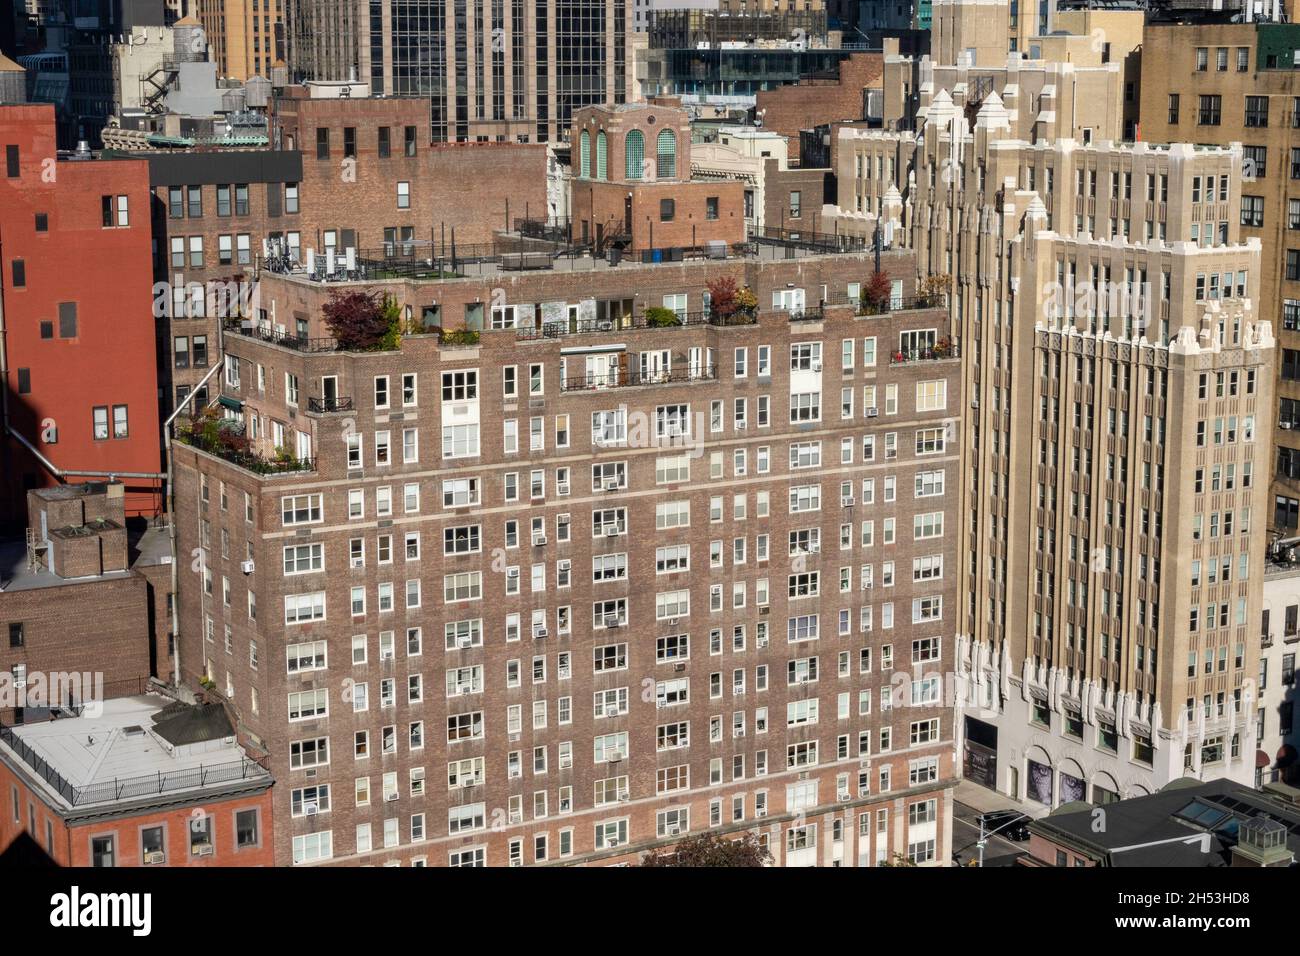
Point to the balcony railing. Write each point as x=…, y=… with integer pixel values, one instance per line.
x=935, y=353
x=624, y=378
x=559, y=329
x=289, y=340
x=231, y=450
x=324, y=406
x=125, y=788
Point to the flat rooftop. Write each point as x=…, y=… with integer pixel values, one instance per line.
x=470, y=262
x=114, y=752
x=146, y=548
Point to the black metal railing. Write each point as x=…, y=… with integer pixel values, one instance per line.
x=289, y=340
x=125, y=788
x=554, y=230
x=561, y=328
x=936, y=353
x=884, y=306
x=811, y=313
x=623, y=378
x=247, y=459
x=827, y=242
x=324, y=406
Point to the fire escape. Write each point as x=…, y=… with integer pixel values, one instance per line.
x=155, y=86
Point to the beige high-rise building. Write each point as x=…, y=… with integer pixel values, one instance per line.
x=245, y=37
x=1236, y=83
x=1119, y=383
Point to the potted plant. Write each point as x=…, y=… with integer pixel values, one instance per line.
x=658, y=317
x=933, y=290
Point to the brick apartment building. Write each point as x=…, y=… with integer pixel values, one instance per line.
x=81, y=553
x=218, y=213
x=815, y=101
x=371, y=179
x=215, y=213
x=1220, y=82
x=80, y=379
x=412, y=622
x=138, y=781
x=633, y=186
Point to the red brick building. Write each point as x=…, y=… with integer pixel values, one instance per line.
x=136, y=781
x=632, y=187
x=501, y=617
x=815, y=101
x=80, y=368
x=82, y=554
x=371, y=178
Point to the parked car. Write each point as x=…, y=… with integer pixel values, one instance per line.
x=1011, y=824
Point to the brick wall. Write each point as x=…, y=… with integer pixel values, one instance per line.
x=780, y=209
x=100, y=627
x=801, y=106
x=67, y=841
x=464, y=186
x=260, y=694
x=599, y=210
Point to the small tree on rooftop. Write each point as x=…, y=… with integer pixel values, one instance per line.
x=722, y=296
x=358, y=320
x=876, y=293
x=710, y=849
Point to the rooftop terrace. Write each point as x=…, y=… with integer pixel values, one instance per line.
x=121, y=755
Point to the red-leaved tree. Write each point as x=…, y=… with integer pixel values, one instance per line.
x=356, y=319
x=722, y=295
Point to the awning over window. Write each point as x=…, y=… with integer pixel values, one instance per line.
x=234, y=404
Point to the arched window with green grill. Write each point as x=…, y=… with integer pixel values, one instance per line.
x=584, y=155
x=600, y=156
x=633, y=154
x=666, y=150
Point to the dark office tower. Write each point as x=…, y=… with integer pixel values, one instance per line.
x=494, y=70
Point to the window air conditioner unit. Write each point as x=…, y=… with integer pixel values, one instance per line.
x=679, y=668
x=816, y=366
x=741, y=426
x=872, y=412
x=540, y=632
x=674, y=831
x=615, y=756
x=611, y=531
x=848, y=502
x=465, y=641
x=202, y=849
x=311, y=774
x=539, y=540
x=246, y=567
x=611, y=620
x=672, y=622
x=310, y=809
x=155, y=858
x=611, y=844
x=467, y=782
x=464, y=689
x=562, y=488
x=611, y=484
x=390, y=797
